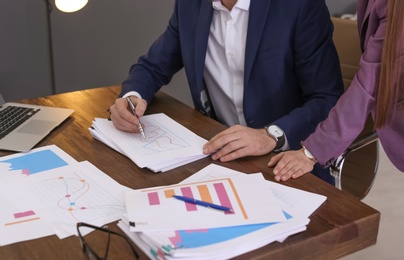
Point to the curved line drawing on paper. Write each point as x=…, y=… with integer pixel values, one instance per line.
x=160, y=139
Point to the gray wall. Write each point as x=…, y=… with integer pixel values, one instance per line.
x=24, y=60
x=96, y=46
x=92, y=48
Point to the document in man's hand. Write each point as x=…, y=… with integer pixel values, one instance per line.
x=167, y=145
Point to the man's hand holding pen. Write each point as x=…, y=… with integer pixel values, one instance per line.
x=124, y=118
x=132, y=109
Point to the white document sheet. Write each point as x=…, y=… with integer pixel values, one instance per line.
x=76, y=193
x=19, y=221
x=224, y=243
x=247, y=195
x=299, y=202
x=46, y=192
x=167, y=145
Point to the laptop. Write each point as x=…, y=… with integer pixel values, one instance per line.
x=22, y=126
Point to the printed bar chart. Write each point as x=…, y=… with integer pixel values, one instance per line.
x=202, y=192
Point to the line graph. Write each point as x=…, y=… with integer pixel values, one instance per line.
x=75, y=197
x=46, y=191
x=167, y=145
x=160, y=139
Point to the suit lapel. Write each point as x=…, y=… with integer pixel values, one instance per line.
x=201, y=39
x=256, y=23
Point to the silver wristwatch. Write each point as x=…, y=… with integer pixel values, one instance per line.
x=276, y=133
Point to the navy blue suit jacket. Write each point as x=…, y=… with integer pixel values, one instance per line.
x=292, y=75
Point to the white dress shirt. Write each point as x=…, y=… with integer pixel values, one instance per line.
x=224, y=63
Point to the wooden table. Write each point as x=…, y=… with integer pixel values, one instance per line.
x=341, y=226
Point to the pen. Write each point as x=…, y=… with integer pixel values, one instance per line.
x=132, y=109
x=203, y=203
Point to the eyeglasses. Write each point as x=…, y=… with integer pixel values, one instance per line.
x=91, y=253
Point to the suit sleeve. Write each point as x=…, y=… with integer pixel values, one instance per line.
x=156, y=68
x=318, y=71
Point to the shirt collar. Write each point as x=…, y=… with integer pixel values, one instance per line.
x=241, y=4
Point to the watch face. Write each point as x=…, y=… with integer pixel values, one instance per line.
x=308, y=153
x=275, y=131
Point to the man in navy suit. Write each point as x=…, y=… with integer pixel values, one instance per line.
x=266, y=68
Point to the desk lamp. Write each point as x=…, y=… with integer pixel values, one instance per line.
x=69, y=6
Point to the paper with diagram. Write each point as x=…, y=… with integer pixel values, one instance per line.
x=247, y=195
x=227, y=242
x=168, y=144
x=45, y=192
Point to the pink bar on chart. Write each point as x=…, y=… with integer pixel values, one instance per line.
x=153, y=198
x=187, y=192
x=223, y=196
x=24, y=214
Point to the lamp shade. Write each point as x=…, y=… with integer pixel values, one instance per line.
x=69, y=6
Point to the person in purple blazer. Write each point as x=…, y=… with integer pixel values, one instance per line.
x=378, y=88
x=267, y=69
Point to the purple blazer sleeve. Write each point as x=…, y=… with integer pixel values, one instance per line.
x=346, y=120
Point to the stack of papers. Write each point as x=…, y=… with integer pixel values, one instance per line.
x=167, y=145
x=46, y=192
x=263, y=212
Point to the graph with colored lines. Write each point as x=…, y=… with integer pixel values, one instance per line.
x=167, y=145
x=53, y=201
x=75, y=197
x=155, y=208
x=159, y=138
x=39, y=160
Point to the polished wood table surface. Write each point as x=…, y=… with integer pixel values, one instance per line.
x=341, y=226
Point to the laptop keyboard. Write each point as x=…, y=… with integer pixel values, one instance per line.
x=13, y=116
